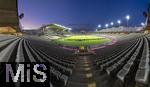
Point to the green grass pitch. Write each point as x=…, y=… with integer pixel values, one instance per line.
x=82, y=40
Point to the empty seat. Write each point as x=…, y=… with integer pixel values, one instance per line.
x=64, y=78
x=51, y=85
x=121, y=74
x=142, y=77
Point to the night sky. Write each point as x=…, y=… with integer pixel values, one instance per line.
x=80, y=12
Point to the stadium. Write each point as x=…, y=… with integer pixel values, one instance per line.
x=111, y=56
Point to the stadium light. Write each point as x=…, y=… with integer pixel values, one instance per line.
x=106, y=25
x=142, y=24
x=119, y=22
x=99, y=26
x=112, y=23
x=128, y=18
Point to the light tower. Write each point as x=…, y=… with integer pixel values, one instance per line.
x=119, y=22
x=106, y=25
x=128, y=18
x=99, y=26
x=112, y=23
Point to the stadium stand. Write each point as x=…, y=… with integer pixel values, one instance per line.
x=120, y=29
x=125, y=63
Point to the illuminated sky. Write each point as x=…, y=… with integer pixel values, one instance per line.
x=67, y=12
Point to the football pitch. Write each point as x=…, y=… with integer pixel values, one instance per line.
x=82, y=40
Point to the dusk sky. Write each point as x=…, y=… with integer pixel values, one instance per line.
x=94, y=12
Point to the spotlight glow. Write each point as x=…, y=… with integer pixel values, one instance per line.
x=142, y=24
x=112, y=23
x=128, y=17
x=119, y=21
x=106, y=25
x=99, y=26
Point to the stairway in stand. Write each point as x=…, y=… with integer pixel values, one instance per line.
x=82, y=75
x=85, y=74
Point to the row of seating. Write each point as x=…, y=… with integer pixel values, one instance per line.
x=122, y=42
x=63, y=63
x=117, y=48
x=103, y=63
x=142, y=75
x=25, y=53
x=53, y=60
x=7, y=50
x=122, y=60
x=58, y=79
x=59, y=70
x=54, y=64
x=53, y=50
x=129, y=66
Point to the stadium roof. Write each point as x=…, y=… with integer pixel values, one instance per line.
x=56, y=27
x=9, y=13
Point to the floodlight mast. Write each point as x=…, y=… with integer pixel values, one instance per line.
x=119, y=22
x=106, y=25
x=99, y=26
x=112, y=23
x=128, y=18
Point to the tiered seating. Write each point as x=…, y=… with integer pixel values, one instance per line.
x=60, y=67
x=130, y=65
x=128, y=68
x=142, y=75
x=106, y=61
x=127, y=61
x=123, y=42
x=123, y=58
x=57, y=78
x=137, y=68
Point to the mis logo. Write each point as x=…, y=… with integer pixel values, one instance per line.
x=26, y=73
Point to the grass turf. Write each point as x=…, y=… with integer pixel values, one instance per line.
x=82, y=40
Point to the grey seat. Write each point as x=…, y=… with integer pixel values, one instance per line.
x=64, y=78
x=121, y=74
x=142, y=76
